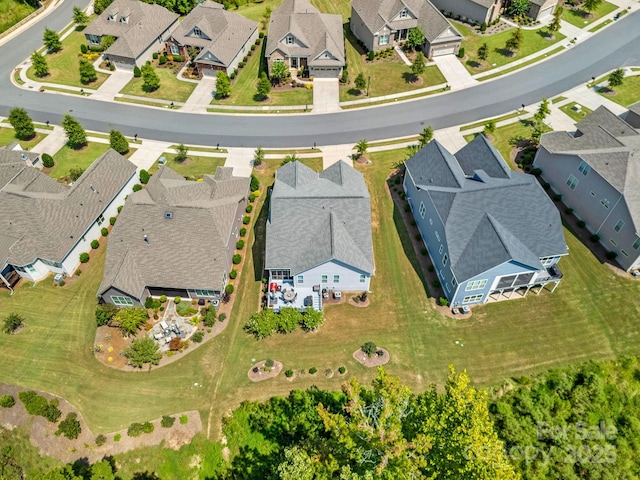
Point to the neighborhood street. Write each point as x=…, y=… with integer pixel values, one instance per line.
x=615, y=46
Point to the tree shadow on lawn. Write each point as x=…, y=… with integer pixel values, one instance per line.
x=473, y=63
x=505, y=52
x=410, y=77
x=259, y=234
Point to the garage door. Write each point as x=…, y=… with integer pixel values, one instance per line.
x=443, y=51
x=325, y=72
x=545, y=13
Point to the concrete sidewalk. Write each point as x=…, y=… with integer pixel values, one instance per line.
x=54, y=141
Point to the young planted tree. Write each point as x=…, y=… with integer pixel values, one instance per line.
x=263, y=86
x=21, y=123
x=483, y=52
x=554, y=26
x=76, y=135
x=258, y=157
x=518, y=7
x=118, y=142
x=361, y=148
x=489, y=128
x=150, y=79
x=415, y=38
x=292, y=157
x=223, y=85
x=616, y=78
x=40, y=67
x=79, y=17
x=141, y=351
x=419, y=65
x=361, y=82
x=181, y=153
x=130, y=320
x=279, y=71
x=425, y=136
x=51, y=40
x=12, y=323
x=87, y=72
x=514, y=41
x=543, y=111
x=591, y=5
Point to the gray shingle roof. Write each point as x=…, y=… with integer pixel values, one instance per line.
x=317, y=32
x=610, y=146
x=48, y=218
x=223, y=33
x=190, y=249
x=483, y=214
x=378, y=13
x=145, y=23
x=315, y=218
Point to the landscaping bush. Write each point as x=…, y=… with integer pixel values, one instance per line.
x=69, y=427
x=112, y=220
x=177, y=300
x=178, y=58
x=101, y=440
x=407, y=208
x=269, y=363
x=246, y=220
x=117, y=437
x=84, y=257
x=461, y=52
x=423, y=251
x=249, y=208
x=134, y=430
x=595, y=237
x=546, y=185
x=155, y=55
x=198, y=337
x=267, y=322
x=313, y=370
x=255, y=183
x=444, y=302
x=568, y=211
x=144, y=177
x=47, y=160
x=233, y=274
x=222, y=317
x=104, y=313
x=536, y=171
x=7, y=401
x=582, y=223
x=611, y=255
x=38, y=405
x=12, y=322
x=136, y=71
x=240, y=244
x=241, y=65
x=229, y=289
x=104, y=231
x=208, y=315
x=184, y=309
x=288, y=373
x=130, y=320
x=184, y=419
x=437, y=284
x=151, y=303
x=162, y=60
x=137, y=187
x=371, y=55
x=369, y=348
x=95, y=244
x=243, y=231
x=260, y=35
x=167, y=421
x=341, y=370
x=83, y=48
x=252, y=197
x=236, y=259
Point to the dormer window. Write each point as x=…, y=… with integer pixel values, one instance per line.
x=197, y=32
x=289, y=40
x=403, y=13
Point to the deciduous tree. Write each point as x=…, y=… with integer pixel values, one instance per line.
x=223, y=84
x=483, y=52
x=515, y=40
x=87, y=72
x=419, y=64
x=118, y=142
x=591, y=5
x=79, y=16
x=150, y=79
x=76, y=135
x=181, y=153
x=518, y=7
x=21, y=123
x=143, y=350
x=51, y=40
x=616, y=78
x=426, y=136
x=415, y=38
x=40, y=67
x=555, y=24
x=263, y=86
x=361, y=82
x=279, y=71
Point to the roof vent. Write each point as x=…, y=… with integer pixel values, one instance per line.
x=168, y=215
x=24, y=157
x=146, y=239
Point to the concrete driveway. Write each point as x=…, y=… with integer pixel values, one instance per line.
x=326, y=95
x=201, y=97
x=112, y=85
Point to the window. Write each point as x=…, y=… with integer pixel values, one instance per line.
x=362, y=279
x=624, y=253
x=445, y=259
x=619, y=225
x=383, y=39
x=546, y=261
x=422, y=210
x=572, y=182
x=175, y=50
x=50, y=263
x=205, y=293
x=300, y=278
x=472, y=298
x=446, y=285
x=476, y=285
x=613, y=242
x=289, y=40
x=122, y=301
x=280, y=274
x=584, y=168
x=31, y=269
x=440, y=250
x=438, y=236
x=100, y=219
x=336, y=279
x=403, y=13
x=605, y=203
x=197, y=32
x=94, y=39
x=324, y=279
x=636, y=244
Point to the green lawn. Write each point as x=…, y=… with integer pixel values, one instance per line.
x=11, y=12
x=67, y=158
x=575, y=115
x=626, y=94
x=63, y=65
x=194, y=167
x=7, y=136
x=532, y=42
x=581, y=19
x=255, y=11
x=171, y=88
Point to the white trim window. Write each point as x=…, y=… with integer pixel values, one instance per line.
x=445, y=259
x=431, y=221
x=636, y=244
x=289, y=40
x=383, y=39
x=175, y=50
x=197, y=32
x=441, y=249
x=472, y=298
x=546, y=261
x=403, y=13
x=584, y=168
x=437, y=235
x=572, y=182
x=362, y=278
x=94, y=39
x=205, y=293
x=605, y=203
x=475, y=285
x=300, y=279
x=336, y=278
x=618, y=226
x=122, y=301
x=422, y=209
x=324, y=279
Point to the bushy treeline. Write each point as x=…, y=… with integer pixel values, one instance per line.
x=267, y=322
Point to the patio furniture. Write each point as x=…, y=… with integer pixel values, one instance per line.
x=337, y=294
x=454, y=311
x=164, y=325
x=289, y=295
x=465, y=309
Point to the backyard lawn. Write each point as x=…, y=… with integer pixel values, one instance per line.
x=11, y=12
x=626, y=94
x=64, y=65
x=577, y=115
x=67, y=158
x=171, y=88
x=7, y=136
x=194, y=167
x=581, y=18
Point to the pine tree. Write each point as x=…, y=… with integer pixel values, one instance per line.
x=51, y=40
x=264, y=86
x=118, y=142
x=76, y=136
x=39, y=63
x=87, y=72
x=21, y=123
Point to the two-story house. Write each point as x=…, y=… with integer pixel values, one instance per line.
x=490, y=232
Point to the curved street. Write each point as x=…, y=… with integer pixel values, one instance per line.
x=615, y=46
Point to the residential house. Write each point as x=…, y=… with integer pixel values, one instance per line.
x=596, y=169
x=379, y=24
x=45, y=225
x=632, y=116
x=490, y=232
x=14, y=152
x=139, y=30
x=318, y=232
x=220, y=38
x=301, y=36
x=541, y=9
x=490, y=10
x=176, y=238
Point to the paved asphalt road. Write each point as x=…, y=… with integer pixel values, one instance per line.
x=614, y=46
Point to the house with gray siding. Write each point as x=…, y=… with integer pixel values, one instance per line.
x=176, y=238
x=220, y=38
x=489, y=10
x=45, y=225
x=596, y=169
x=139, y=30
x=301, y=36
x=491, y=233
x=319, y=231
x=379, y=24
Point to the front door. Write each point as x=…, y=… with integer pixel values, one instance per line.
x=294, y=62
x=402, y=34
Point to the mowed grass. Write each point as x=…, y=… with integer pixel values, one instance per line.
x=11, y=12
x=626, y=94
x=195, y=166
x=64, y=65
x=581, y=18
x=67, y=158
x=255, y=11
x=171, y=88
x=576, y=115
x=532, y=41
x=7, y=135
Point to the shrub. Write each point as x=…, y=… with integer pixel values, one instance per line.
x=582, y=223
x=430, y=268
x=178, y=58
x=255, y=183
x=155, y=55
x=595, y=237
x=246, y=220
x=137, y=187
x=249, y=208
x=134, y=430
x=184, y=419
x=104, y=231
x=69, y=427
x=12, y=322
x=371, y=55
x=233, y=75
x=241, y=65
x=163, y=298
x=7, y=401
x=236, y=259
x=546, y=185
x=95, y=244
x=136, y=71
x=313, y=370
x=568, y=211
x=208, y=315
x=233, y=274
x=240, y=244
x=461, y=52
x=252, y=197
x=101, y=440
x=112, y=67
x=222, y=317
x=119, y=210
x=444, y=302
x=341, y=370
x=83, y=48
x=47, y=160
x=177, y=300
x=84, y=257
x=151, y=303
x=144, y=177
x=611, y=255
x=437, y=284
x=167, y=421
x=288, y=373
x=369, y=348
x=104, y=313
x=260, y=35
x=198, y=337
x=229, y=289
x=537, y=171
x=112, y=220
x=423, y=251
x=117, y=437
x=269, y=363
x=162, y=59
x=243, y=231
x=38, y=405
x=407, y=208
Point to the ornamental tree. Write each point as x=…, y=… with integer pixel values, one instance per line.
x=76, y=135
x=51, y=40
x=87, y=72
x=223, y=85
x=21, y=123
x=118, y=142
x=40, y=67
x=150, y=79
x=141, y=351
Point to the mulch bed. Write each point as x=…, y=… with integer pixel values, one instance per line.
x=373, y=360
x=257, y=373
